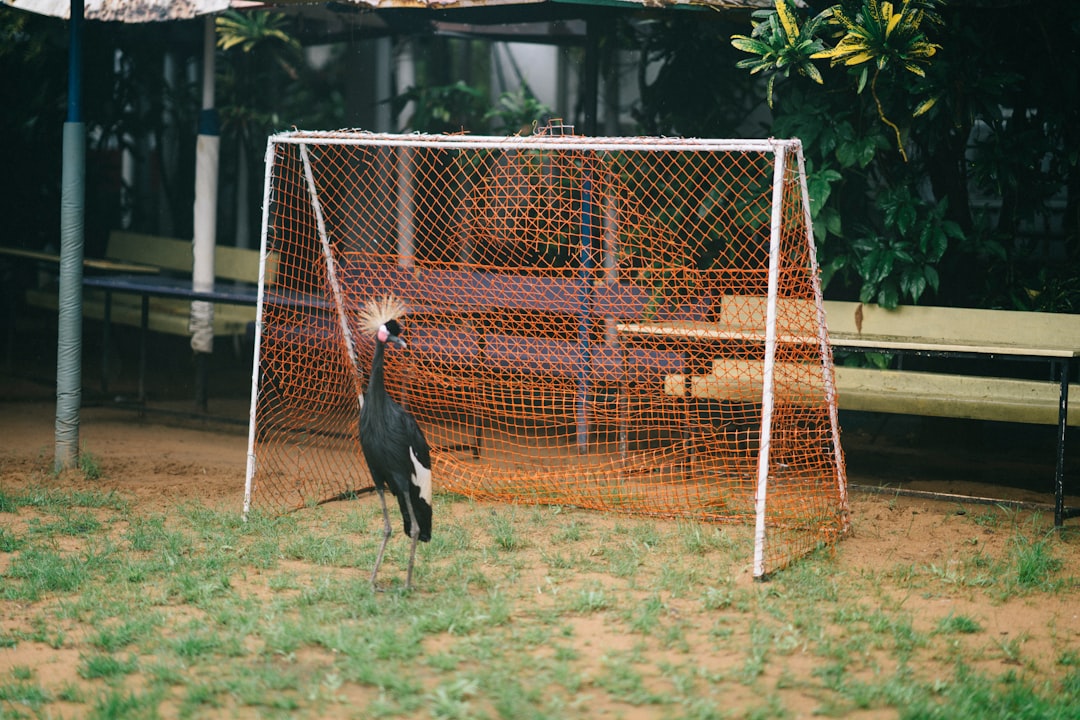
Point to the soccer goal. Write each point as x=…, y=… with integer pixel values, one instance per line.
x=623, y=324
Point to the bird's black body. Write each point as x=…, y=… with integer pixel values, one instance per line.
x=390, y=439
x=396, y=451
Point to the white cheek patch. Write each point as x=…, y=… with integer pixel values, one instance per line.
x=421, y=477
x=360, y=401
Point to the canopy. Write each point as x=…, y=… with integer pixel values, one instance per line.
x=128, y=11
x=137, y=11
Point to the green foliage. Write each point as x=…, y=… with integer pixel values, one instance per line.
x=876, y=35
x=687, y=77
x=250, y=31
x=1026, y=284
x=106, y=666
x=34, y=572
x=443, y=108
x=89, y=466
x=882, y=33
x=901, y=261
x=460, y=107
x=519, y=111
x=1034, y=562
x=33, y=64
x=877, y=231
x=977, y=119
x=781, y=45
x=25, y=693
x=502, y=531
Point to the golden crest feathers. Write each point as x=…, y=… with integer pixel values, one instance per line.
x=379, y=311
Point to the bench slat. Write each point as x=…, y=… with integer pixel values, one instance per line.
x=911, y=327
x=630, y=302
x=167, y=253
x=429, y=290
x=166, y=315
x=741, y=380
x=892, y=391
x=174, y=256
x=958, y=396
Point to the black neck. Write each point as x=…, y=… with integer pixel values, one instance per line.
x=377, y=379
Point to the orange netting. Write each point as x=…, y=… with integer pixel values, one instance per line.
x=588, y=325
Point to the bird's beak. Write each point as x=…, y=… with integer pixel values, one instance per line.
x=396, y=340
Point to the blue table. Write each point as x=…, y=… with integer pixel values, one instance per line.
x=169, y=287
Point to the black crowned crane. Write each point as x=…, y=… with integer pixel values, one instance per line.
x=397, y=454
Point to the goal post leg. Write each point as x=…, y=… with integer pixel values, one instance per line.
x=827, y=371
x=767, y=399
x=256, y=360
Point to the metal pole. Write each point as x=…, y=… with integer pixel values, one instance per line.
x=72, y=219
x=205, y=220
x=588, y=263
x=591, y=81
x=1063, y=421
x=767, y=399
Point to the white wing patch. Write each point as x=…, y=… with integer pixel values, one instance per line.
x=421, y=477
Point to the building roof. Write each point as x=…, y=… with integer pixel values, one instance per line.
x=137, y=11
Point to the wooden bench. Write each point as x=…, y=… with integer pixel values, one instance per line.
x=989, y=336
x=516, y=325
x=159, y=297
x=170, y=258
x=1050, y=338
x=89, y=264
x=34, y=264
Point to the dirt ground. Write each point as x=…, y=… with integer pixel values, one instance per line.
x=968, y=459
x=166, y=457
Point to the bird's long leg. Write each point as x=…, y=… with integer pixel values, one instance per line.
x=414, y=533
x=385, y=537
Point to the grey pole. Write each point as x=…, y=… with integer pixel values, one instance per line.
x=72, y=214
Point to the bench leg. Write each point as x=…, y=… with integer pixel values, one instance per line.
x=1059, y=472
x=144, y=328
x=201, y=393
x=581, y=416
x=622, y=412
x=11, y=299
x=478, y=436
x=106, y=339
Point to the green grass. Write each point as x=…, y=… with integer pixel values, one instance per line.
x=89, y=466
x=1034, y=564
x=517, y=612
x=106, y=666
x=35, y=572
x=958, y=624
